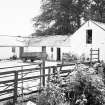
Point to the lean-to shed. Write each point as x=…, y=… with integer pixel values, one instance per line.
x=55, y=45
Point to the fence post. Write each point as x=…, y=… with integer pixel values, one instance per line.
x=15, y=87
x=43, y=72
x=91, y=56
x=40, y=65
x=54, y=69
x=49, y=72
x=43, y=64
x=22, y=83
x=98, y=55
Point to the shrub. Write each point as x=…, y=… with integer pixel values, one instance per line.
x=69, y=57
x=9, y=103
x=77, y=88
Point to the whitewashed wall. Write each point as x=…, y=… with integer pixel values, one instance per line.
x=17, y=52
x=32, y=49
x=51, y=55
x=6, y=52
x=78, y=40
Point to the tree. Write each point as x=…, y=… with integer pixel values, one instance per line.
x=60, y=16
x=64, y=16
x=98, y=10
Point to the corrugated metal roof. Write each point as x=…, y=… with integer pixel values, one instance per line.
x=56, y=40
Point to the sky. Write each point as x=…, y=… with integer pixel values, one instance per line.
x=16, y=16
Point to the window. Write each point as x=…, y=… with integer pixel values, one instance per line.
x=89, y=36
x=43, y=48
x=13, y=49
x=51, y=49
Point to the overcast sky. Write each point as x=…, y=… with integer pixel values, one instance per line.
x=16, y=16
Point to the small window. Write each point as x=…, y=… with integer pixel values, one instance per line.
x=89, y=36
x=13, y=49
x=51, y=49
x=43, y=48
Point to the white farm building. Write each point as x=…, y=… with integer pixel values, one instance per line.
x=55, y=46
x=90, y=35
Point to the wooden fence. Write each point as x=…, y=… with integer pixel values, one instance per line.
x=12, y=82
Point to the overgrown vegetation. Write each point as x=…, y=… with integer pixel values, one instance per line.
x=9, y=103
x=81, y=87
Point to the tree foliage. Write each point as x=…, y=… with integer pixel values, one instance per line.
x=64, y=16
x=98, y=10
x=60, y=16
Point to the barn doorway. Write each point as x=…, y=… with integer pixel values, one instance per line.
x=21, y=51
x=58, y=54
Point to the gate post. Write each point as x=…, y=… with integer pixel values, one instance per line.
x=43, y=64
x=15, y=87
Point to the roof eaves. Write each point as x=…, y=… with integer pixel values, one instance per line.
x=97, y=25
x=80, y=27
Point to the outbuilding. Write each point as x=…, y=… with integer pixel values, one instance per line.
x=90, y=36
x=55, y=46
x=10, y=46
x=88, y=42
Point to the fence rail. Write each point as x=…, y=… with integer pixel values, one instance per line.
x=14, y=85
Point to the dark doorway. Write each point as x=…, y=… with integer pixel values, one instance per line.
x=21, y=51
x=58, y=54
